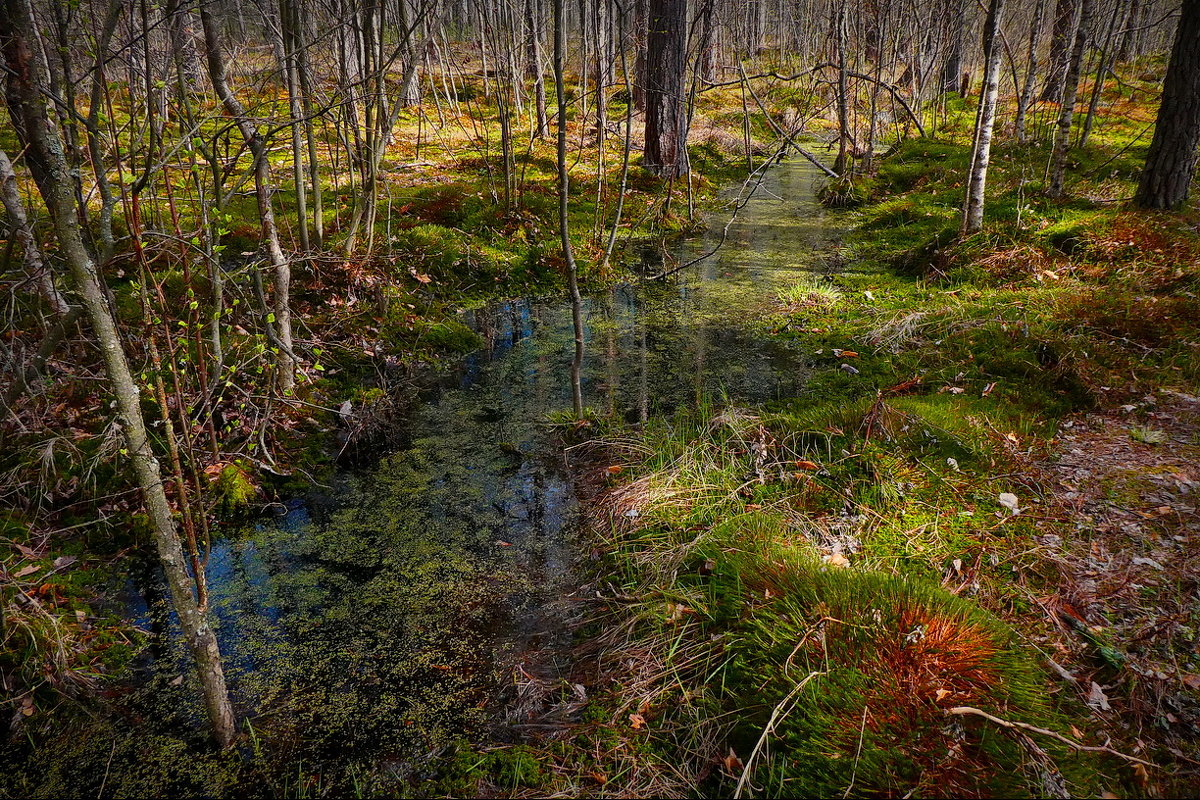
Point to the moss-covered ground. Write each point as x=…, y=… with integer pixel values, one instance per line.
x=797, y=599
x=981, y=500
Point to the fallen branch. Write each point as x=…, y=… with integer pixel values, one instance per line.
x=960, y=711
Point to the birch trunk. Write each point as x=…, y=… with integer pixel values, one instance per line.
x=985, y=121
x=281, y=331
x=1062, y=140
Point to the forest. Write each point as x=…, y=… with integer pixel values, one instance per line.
x=604, y=398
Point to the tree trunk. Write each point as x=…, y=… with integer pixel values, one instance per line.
x=666, y=65
x=45, y=157
x=1171, y=160
x=285, y=362
x=564, y=191
x=1103, y=66
x=952, y=66
x=843, y=92
x=1062, y=141
x=1025, y=100
x=985, y=120
x=1126, y=50
x=533, y=11
x=1065, y=22
x=22, y=232
x=641, y=21
x=304, y=77
x=288, y=22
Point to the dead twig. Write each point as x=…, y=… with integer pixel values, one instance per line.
x=960, y=711
x=776, y=716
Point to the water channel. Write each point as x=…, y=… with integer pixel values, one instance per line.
x=383, y=620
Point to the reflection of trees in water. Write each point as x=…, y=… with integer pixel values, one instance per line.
x=385, y=626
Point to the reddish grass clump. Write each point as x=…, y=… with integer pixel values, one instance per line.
x=932, y=659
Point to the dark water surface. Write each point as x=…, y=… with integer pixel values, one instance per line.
x=381, y=622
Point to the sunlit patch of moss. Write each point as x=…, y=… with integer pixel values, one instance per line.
x=860, y=669
x=233, y=489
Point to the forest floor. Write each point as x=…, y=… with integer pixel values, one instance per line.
x=372, y=329
x=984, y=499
x=980, y=514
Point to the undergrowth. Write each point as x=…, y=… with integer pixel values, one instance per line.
x=807, y=595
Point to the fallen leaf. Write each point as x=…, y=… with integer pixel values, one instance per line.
x=675, y=612
x=812, y=466
x=1097, y=699
x=65, y=561
x=1009, y=501
x=1191, y=680
x=29, y=570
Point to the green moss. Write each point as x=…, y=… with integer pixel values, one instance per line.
x=233, y=489
x=863, y=667
x=448, y=335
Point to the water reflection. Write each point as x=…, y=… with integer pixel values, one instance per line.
x=386, y=621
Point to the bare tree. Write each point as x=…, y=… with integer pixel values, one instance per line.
x=281, y=329
x=25, y=95
x=1062, y=140
x=985, y=120
x=1066, y=21
x=35, y=266
x=1025, y=98
x=564, y=229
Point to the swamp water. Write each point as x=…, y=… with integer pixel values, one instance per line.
x=365, y=631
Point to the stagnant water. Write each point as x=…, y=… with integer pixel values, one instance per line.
x=376, y=625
